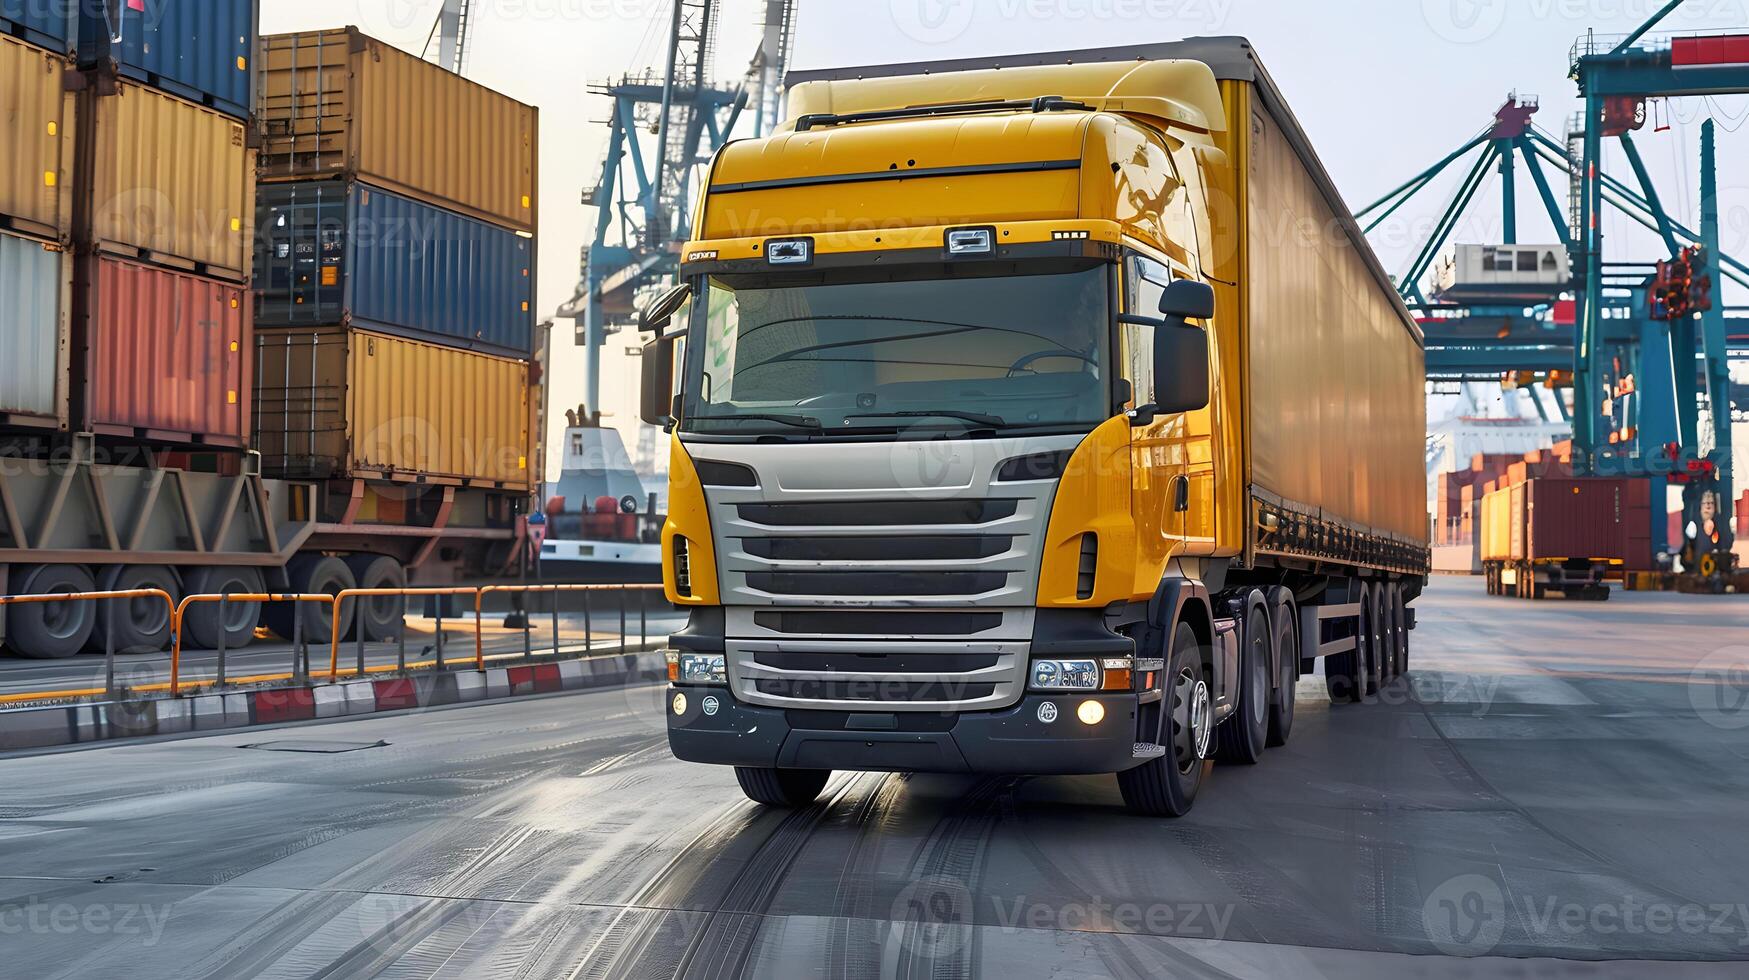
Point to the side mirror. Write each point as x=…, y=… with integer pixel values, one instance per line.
x=657, y=401
x=1181, y=367
x=1187, y=299
x=655, y=317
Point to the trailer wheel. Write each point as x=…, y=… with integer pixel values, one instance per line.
x=379, y=618
x=137, y=625
x=785, y=788
x=1281, y=710
x=1346, y=675
x=1382, y=658
x=1242, y=738
x=1167, y=786
x=1400, y=632
x=51, y=630
x=310, y=575
x=204, y=622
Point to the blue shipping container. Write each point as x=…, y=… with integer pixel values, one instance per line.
x=199, y=50
x=44, y=23
x=338, y=252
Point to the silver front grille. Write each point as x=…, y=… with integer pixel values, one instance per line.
x=880, y=576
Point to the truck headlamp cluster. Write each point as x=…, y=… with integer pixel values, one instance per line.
x=971, y=241
x=696, y=668
x=1065, y=675
x=1114, y=674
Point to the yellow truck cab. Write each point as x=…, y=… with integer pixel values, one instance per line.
x=1040, y=415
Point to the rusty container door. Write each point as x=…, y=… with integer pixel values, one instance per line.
x=36, y=142
x=161, y=355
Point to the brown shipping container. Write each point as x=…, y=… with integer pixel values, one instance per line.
x=166, y=181
x=164, y=354
x=1556, y=519
x=36, y=139
x=338, y=102
x=332, y=402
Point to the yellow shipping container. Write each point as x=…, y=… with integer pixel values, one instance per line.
x=36, y=130
x=332, y=402
x=338, y=102
x=167, y=181
x=1497, y=525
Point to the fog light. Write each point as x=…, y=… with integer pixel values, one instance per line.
x=1090, y=712
x=680, y=702
x=702, y=668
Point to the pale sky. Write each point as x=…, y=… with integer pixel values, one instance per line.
x=1383, y=87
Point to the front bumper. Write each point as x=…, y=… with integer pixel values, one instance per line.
x=1014, y=740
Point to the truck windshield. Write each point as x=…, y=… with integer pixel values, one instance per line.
x=844, y=355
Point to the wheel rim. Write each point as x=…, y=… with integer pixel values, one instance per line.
x=149, y=614
x=61, y=619
x=1260, y=680
x=1190, y=720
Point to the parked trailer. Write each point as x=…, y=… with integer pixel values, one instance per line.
x=126, y=398
x=972, y=472
x=1557, y=535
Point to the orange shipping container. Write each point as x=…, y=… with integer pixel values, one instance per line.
x=333, y=402
x=163, y=354
x=166, y=181
x=338, y=102
x=36, y=134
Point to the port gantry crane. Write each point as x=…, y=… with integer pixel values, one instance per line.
x=641, y=222
x=1642, y=342
x=450, y=33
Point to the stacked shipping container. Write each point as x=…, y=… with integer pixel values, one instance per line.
x=125, y=219
x=394, y=271
x=126, y=205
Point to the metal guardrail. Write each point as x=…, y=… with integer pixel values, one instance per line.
x=300, y=666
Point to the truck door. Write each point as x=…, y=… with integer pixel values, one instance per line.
x=1160, y=450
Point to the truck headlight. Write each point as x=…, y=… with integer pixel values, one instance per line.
x=703, y=668
x=1065, y=675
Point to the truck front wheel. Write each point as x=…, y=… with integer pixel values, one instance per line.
x=786, y=788
x=1167, y=786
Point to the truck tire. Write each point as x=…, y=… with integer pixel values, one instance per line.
x=135, y=625
x=51, y=630
x=1241, y=739
x=1383, y=658
x=310, y=575
x=379, y=618
x=1281, y=709
x=785, y=788
x=1400, y=629
x=1346, y=674
x=204, y=622
x=1167, y=786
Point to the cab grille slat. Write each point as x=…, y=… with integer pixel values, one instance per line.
x=886, y=513
x=882, y=583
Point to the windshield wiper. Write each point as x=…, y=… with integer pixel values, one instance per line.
x=993, y=421
x=797, y=421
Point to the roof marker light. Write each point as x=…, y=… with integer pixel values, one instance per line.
x=971, y=241
x=793, y=251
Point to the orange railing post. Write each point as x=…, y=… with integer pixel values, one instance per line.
x=334, y=651
x=182, y=610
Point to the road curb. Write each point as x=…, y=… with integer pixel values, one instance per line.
x=102, y=721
